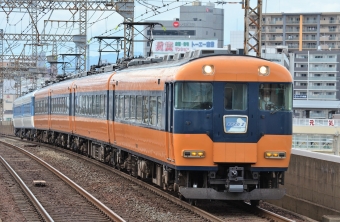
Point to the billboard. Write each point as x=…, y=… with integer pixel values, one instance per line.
x=175, y=46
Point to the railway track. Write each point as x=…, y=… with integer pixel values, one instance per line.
x=60, y=197
x=204, y=211
x=15, y=197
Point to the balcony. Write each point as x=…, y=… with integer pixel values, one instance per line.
x=292, y=30
x=309, y=46
x=274, y=22
x=275, y=38
x=322, y=78
x=309, y=38
x=300, y=87
x=310, y=21
x=326, y=22
x=310, y=30
x=322, y=87
x=328, y=97
x=292, y=22
x=322, y=69
x=324, y=60
x=301, y=60
x=292, y=38
x=300, y=78
x=298, y=69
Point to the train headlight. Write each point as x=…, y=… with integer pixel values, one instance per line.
x=264, y=70
x=208, y=70
x=193, y=153
x=275, y=154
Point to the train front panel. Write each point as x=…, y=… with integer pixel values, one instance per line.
x=232, y=123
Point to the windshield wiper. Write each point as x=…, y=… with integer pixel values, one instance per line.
x=274, y=111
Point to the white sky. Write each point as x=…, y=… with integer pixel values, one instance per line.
x=104, y=23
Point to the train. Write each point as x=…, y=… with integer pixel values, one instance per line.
x=205, y=124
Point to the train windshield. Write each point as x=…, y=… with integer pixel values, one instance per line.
x=193, y=95
x=235, y=96
x=275, y=97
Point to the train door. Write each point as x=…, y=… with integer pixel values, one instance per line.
x=49, y=109
x=73, y=104
x=111, y=110
x=235, y=112
x=169, y=120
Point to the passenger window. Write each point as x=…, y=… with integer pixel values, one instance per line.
x=127, y=107
x=235, y=96
x=139, y=109
x=133, y=108
x=116, y=105
x=121, y=107
x=159, y=110
x=145, y=109
x=153, y=110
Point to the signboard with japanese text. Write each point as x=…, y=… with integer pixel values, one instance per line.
x=175, y=46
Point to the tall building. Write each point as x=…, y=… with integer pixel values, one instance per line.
x=198, y=26
x=316, y=83
x=301, y=31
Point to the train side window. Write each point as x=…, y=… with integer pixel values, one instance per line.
x=121, y=107
x=133, y=108
x=67, y=107
x=97, y=107
x=102, y=105
x=146, y=109
x=126, y=107
x=153, y=110
x=139, y=109
x=116, y=106
x=159, y=110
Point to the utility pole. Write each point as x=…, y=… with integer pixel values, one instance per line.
x=252, y=17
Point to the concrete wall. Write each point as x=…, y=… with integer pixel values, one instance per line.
x=312, y=183
x=6, y=127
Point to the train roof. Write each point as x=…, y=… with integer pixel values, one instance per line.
x=24, y=99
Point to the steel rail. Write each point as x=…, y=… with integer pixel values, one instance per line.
x=41, y=210
x=107, y=211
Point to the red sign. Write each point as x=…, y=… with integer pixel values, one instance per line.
x=175, y=24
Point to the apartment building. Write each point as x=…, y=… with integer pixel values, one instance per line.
x=316, y=83
x=301, y=31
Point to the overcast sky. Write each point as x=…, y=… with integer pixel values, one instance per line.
x=104, y=23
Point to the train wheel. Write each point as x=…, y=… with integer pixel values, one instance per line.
x=192, y=202
x=254, y=203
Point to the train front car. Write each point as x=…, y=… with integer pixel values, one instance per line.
x=231, y=128
x=23, y=116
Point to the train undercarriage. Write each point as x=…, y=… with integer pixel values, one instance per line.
x=229, y=182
